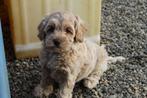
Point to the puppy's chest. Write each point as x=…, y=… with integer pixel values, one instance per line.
x=61, y=60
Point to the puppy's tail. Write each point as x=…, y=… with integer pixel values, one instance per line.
x=116, y=59
x=122, y=59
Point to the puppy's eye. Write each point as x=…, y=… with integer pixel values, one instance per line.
x=51, y=28
x=69, y=30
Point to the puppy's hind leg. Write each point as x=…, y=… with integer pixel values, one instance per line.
x=93, y=79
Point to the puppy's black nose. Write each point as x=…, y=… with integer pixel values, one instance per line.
x=56, y=42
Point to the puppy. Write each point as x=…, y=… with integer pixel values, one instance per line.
x=67, y=57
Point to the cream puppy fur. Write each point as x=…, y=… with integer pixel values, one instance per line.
x=68, y=57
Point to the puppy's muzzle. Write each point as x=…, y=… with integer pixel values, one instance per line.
x=57, y=43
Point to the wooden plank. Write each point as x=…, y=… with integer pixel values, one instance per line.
x=26, y=15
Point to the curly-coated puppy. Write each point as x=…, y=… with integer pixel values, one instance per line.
x=67, y=57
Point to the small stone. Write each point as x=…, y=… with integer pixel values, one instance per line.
x=145, y=88
x=113, y=96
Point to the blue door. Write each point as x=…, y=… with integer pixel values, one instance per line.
x=4, y=84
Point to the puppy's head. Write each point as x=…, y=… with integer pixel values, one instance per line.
x=60, y=30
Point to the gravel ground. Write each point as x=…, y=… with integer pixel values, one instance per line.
x=124, y=23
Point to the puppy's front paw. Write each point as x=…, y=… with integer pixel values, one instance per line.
x=48, y=90
x=38, y=91
x=90, y=83
x=43, y=93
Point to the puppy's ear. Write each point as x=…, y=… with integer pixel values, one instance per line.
x=80, y=30
x=41, y=29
